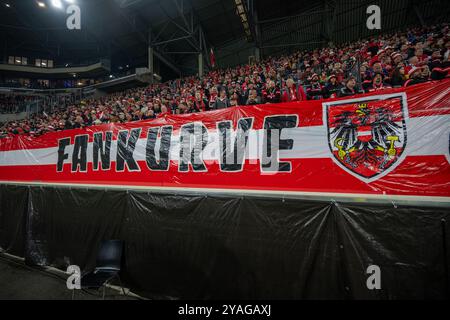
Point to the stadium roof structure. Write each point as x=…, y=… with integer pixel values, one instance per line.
x=119, y=28
x=178, y=30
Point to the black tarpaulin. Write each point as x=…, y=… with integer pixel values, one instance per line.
x=13, y=215
x=194, y=246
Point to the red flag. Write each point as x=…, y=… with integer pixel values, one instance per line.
x=212, y=58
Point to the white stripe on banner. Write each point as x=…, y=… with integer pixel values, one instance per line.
x=425, y=136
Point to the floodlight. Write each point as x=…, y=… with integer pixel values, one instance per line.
x=57, y=4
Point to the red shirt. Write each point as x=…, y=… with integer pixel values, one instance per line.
x=293, y=94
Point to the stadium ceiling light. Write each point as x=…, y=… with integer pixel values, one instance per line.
x=242, y=13
x=41, y=4
x=7, y=5
x=57, y=4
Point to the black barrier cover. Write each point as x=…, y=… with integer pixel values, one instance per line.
x=222, y=247
x=13, y=215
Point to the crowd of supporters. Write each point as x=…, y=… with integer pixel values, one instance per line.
x=400, y=59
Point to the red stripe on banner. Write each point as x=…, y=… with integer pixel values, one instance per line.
x=431, y=177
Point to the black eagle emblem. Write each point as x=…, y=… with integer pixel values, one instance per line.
x=366, y=137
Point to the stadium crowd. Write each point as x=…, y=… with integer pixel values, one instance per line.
x=400, y=59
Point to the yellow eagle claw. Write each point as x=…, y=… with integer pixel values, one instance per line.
x=392, y=152
x=342, y=153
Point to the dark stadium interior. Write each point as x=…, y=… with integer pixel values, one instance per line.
x=112, y=30
x=121, y=32
x=99, y=139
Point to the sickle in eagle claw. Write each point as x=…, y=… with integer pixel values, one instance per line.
x=342, y=153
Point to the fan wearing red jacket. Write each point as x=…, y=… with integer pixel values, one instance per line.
x=293, y=92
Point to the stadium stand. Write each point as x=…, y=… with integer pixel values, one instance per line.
x=402, y=59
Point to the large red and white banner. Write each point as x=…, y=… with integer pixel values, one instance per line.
x=394, y=142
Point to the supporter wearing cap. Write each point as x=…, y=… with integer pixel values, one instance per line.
x=396, y=57
x=378, y=57
x=389, y=50
x=332, y=88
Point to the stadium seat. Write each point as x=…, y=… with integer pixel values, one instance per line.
x=108, y=267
